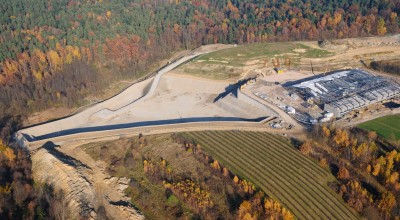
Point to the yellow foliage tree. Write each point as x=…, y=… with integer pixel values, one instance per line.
x=394, y=178
x=145, y=166
x=360, y=150
x=381, y=27
x=247, y=216
x=327, y=132
x=341, y=138
x=369, y=168
x=10, y=67
x=68, y=59
x=390, y=159
x=343, y=173
x=274, y=210
x=38, y=53
x=108, y=14
x=5, y=189
x=245, y=210
x=24, y=58
x=236, y=179
x=55, y=60
x=306, y=148
x=287, y=215
x=337, y=18
x=216, y=165
x=76, y=53
x=387, y=202
x=177, y=29
x=377, y=168
x=323, y=163
x=232, y=7
x=3, y=147
x=9, y=153
x=225, y=171
x=163, y=163
x=37, y=74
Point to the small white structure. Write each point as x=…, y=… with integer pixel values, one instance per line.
x=294, y=96
x=276, y=125
x=328, y=115
x=290, y=110
x=323, y=120
x=313, y=121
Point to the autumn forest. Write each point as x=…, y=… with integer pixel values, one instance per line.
x=54, y=52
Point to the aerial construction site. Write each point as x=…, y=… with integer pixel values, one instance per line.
x=286, y=97
x=343, y=91
x=268, y=88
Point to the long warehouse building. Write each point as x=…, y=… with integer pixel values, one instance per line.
x=347, y=90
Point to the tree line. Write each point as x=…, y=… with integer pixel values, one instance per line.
x=367, y=168
x=250, y=201
x=389, y=66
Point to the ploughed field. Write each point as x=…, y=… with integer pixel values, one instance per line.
x=387, y=127
x=278, y=169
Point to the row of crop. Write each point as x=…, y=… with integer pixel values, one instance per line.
x=263, y=150
x=312, y=164
x=290, y=178
x=272, y=167
x=293, y=159
x=317, y=169
x=265, y=147
x=273, y=188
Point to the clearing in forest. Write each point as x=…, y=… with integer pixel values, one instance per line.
x=239, y=56
x=278, y=169
x=230, y=63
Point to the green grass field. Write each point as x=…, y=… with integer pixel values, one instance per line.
x=228, y=63
x=387, y=127
x=278, y=169
x=238, y=56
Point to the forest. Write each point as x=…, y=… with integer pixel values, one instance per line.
x=20, y=196
x=172, y=177
x=366, y=166
x=203, y=174
x=55, y=52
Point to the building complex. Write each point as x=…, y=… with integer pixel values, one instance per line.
x=343, y=91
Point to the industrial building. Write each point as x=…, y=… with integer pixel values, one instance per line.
x=343, y=91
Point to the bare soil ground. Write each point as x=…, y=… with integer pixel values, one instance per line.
x=354, y=53
x=184, y=98
x=173, y=98
x=47, y=115
x=108, y=92
x=289, y=75
x=86, y=185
